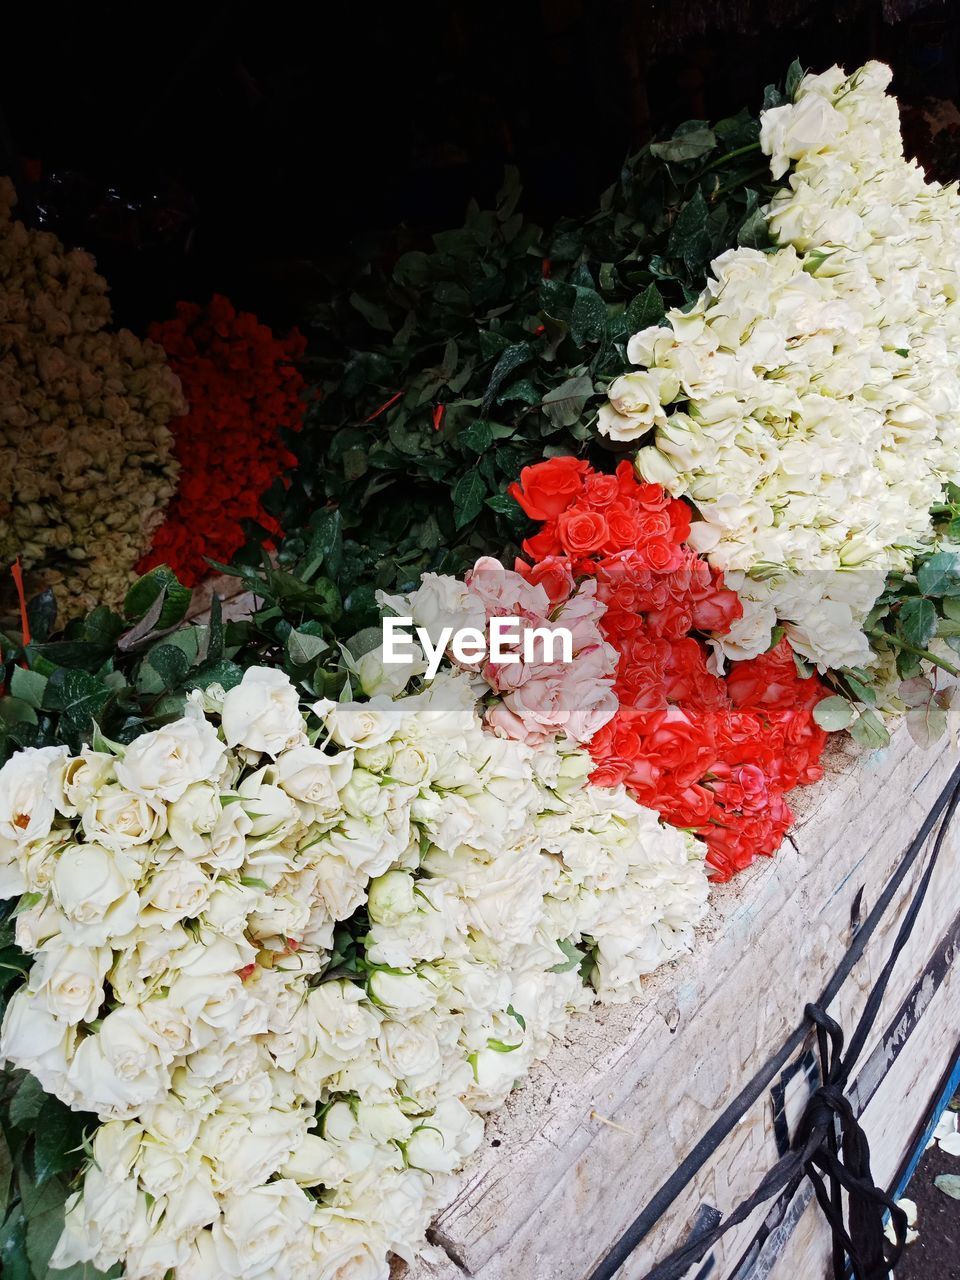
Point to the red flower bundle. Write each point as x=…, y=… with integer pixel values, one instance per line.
x=712, y=753
x=242, y=387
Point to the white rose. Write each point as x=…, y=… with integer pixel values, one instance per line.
x=101, y=1222
x=35, y=926
x=341, y=1021
x=315, y=778
x=228, y=907
x=361, y=724
x=36, y=1041
x=343, y=1253
x=392, y=678
x=83, y=775
x=440, y=601
x=192, y=819
x=68, y=980
x=409, y=1049
x=364, y=796
x=164, y=763
x=13, y=882
x=383, y=1121
x=244, y=1150
x=118, y=1070
x=116, y=1145
x=789, y=132
x=162, y=1169
x=308, y=1164
x=189, y=1207
x=178, y=891
x=274, y=814
x=228, y=840
x=92, y=887
x=653, y=467
x=342, y=885
x=642, y=395
x=406, y=993
x=441, y=1143
x=262, y=713
x=31, y=791
x=119, y=819
x=156, y=1257
x=260, y=1227
x=411, y=765
x=390, y=897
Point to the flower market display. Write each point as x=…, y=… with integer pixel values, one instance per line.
x=282, y=918
x=816, y=388
x=86, y=451
x=243, y=391
x=379, y=916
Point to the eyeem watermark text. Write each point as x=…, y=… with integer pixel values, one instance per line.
x=507, y=643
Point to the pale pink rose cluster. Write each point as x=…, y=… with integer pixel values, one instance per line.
x=541, y=699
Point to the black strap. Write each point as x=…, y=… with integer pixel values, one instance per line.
x=830, y=1147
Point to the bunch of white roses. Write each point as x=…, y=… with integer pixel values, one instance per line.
x=808, y=402
x=288, y=960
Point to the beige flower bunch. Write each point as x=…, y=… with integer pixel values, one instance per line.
x=86, y=453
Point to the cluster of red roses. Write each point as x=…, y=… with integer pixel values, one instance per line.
x=242, y=387
x=709, y=752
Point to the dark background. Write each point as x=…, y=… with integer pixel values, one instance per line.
x=239, y=147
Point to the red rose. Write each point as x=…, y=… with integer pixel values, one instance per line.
x=581, y=532
x=600, y=490
x=553, y=573
x=548, y=488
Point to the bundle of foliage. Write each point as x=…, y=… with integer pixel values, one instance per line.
x=444, y=372
x=244, y=392
x=86, y=452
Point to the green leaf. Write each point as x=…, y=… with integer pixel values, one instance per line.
x=170, y=663
x=14, y=1263
x=564, y=404
x=572, y=952
x=794, y=76
x=16, y=711
x=940, y=575
x=477, y=437
x=834, y=714
x=519, y=1017
x=303, y=648
x=689, y=237
x=754, y=232
x=225, y=673
x=864, y=692
x=951, y=608
x=374, y=315
x=43, y=1210
x=26, y=1102
x=28, y=686
x=325, y=541
x=686, y=146
x=468, y=498
x=102, y=627
x=917, y=621
x=59, y=1135
x=588, y=320
x=646, y=309
x=517, y=354
x=926, y=715
x=6, y=1174
x=500, y=1046
x=42, y=614
x=869, y=731
x=145, y=591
